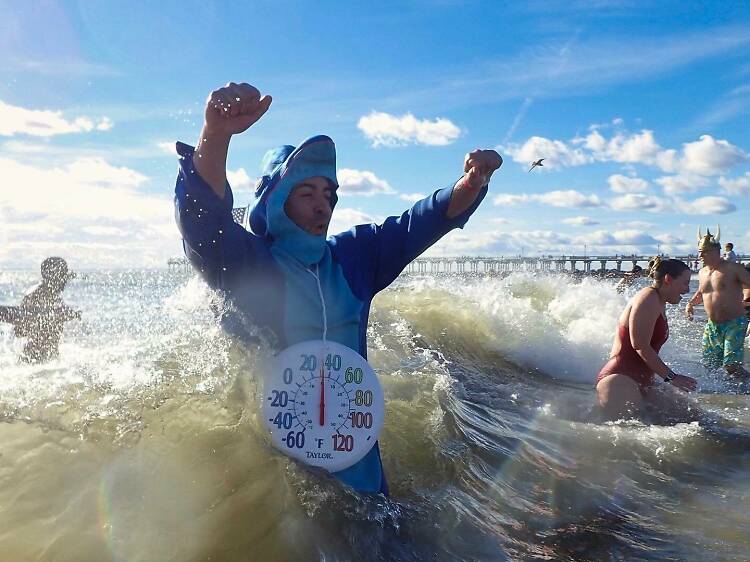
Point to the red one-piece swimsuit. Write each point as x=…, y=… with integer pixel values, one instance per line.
x=627, y=361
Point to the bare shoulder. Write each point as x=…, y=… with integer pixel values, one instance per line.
x=646, y=297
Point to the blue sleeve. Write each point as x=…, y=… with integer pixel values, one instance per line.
x=381, y=252
x=211, y=239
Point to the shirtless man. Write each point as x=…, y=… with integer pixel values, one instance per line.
x=720, y=285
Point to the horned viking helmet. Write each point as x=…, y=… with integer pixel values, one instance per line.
x=709, y=240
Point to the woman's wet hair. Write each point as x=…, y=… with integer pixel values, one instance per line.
x=658, y=268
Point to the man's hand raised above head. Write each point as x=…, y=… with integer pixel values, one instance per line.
x=229, y=110
x=479, y=166
x=233, y=108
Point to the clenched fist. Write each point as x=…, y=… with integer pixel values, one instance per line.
x=479, y=166
x=232, y=109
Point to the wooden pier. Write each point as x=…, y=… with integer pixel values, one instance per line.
x=496, y=265
x=483, y=265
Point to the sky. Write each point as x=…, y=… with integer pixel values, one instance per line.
x=641, y=111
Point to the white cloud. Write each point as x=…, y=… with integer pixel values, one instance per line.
x=635, y=148
x=707, y=206
x=345, y=218
x=633, y=238
x=412, y=197
x=639, y=202
x=361, y=182
x=580, y=221
x=167, y=147
x=561, y=198
x=736, y=186
x=240, y=181
x=88, y=209
x=669, y=239
x=45, y=123
x=623, y=184
x=509, y=199
x=568, y=198
x=466, y=242
x=102, y=231
x=641, y=225
x=95, y=171
x=682, y=183
x=384, y=129
x=556, y=154
x=709, y=156
x=706, y=156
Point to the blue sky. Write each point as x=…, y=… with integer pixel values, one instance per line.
x=641, y=110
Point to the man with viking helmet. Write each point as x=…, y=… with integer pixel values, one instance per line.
x=720, y=285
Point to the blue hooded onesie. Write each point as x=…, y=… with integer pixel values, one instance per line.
x=269, y=275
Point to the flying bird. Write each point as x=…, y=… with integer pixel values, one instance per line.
x=537, y=163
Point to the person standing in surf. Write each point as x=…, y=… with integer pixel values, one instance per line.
x=626, y=383
x=284, y=279
x=720, y=285
x=42, y=314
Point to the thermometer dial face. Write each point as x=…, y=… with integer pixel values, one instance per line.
x=323, y=404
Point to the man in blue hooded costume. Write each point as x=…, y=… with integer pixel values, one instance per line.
x=285, y=277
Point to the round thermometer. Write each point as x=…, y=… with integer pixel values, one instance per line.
x=323, y=404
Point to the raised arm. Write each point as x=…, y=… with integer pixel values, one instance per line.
x=229, y=111
x=382, y=251
x=479, y=166
x=212, y=241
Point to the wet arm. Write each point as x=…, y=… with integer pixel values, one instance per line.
x=463, y=197
x=210, y=160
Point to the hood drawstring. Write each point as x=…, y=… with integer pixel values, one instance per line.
x=316, y=274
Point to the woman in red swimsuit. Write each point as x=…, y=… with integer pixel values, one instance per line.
x=626, y=381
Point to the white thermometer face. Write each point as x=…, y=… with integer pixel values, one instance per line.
x=322, y=404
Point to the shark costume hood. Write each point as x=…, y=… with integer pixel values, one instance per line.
x=282, y=168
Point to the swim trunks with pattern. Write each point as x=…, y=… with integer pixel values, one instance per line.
x=724, y=344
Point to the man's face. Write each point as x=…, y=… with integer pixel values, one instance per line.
x=711, y=256
x=309, y=205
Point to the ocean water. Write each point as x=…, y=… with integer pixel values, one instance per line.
x=142, y=442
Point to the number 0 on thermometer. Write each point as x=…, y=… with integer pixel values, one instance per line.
x=323, y=404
